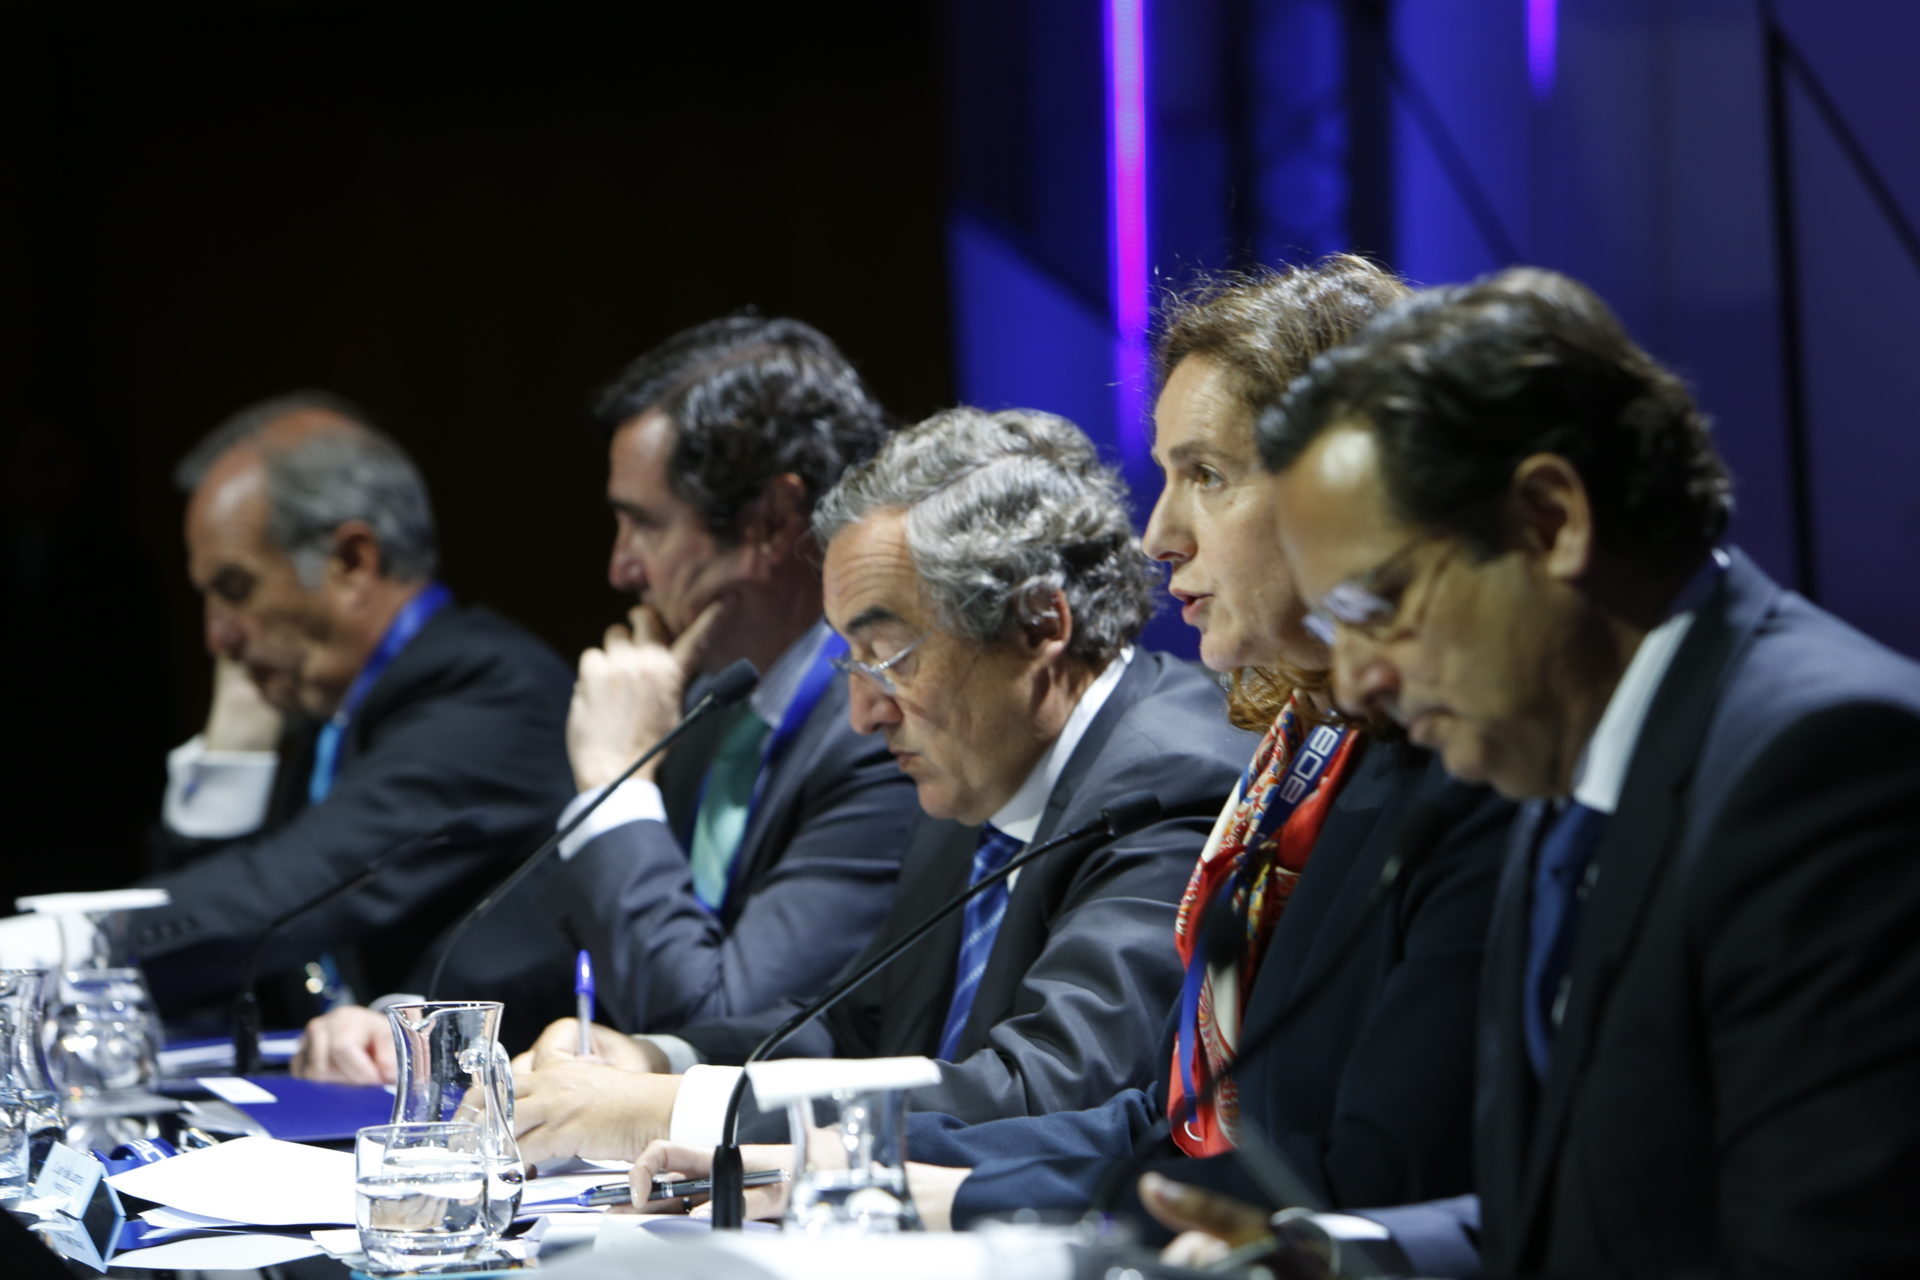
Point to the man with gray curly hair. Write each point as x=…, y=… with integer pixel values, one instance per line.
x=983, y=573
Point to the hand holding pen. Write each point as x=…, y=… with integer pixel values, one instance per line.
x=583, y=1001
x=685, y=1189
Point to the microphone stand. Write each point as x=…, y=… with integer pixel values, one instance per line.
x=729, y=687
x=1128, y=813
x=246, y=1005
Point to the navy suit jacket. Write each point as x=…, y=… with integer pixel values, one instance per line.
x=814, y=877
x=1735, y=1086
x=468, y=722
x=1083, y=967
x=1364, y=1005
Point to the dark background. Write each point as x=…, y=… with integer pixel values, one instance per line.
x=468, y=219
x=463, y=220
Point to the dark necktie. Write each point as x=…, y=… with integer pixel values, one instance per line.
x=981, y=922
x=1557, y=875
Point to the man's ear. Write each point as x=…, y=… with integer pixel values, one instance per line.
x=1551, y=515
x=774, y=523
x=1046, y=622
x=355, y=561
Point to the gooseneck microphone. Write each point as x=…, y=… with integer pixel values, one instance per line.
x=730, y=686
x=246, y=1006
x=1130, y=812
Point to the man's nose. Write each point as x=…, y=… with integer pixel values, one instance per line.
x=1365, y=680
x=869, y=709
x=624, y=570
x=223, y=635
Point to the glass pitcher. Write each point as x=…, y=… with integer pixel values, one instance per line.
x=30, y=1118
x=850, y=1164
x=452, y=1067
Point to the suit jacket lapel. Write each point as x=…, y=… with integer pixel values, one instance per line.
x=1333, y=894
x=1504, y=1089
x=1636, y=849
x=920, y=985
x=1039, y=885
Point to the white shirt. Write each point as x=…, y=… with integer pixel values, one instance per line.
x=701, y=1103
x=1601, y=771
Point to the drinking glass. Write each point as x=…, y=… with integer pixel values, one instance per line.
x=30, y=1119
x=420, y=1194
x=106, y=1037
x=850, y=1164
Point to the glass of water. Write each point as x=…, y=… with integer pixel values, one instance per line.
x=850, y=1164
x=106, y=1038
x=420, y=1194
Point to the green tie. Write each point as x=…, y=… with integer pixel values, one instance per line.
x=722, y=819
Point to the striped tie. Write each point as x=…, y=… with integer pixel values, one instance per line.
x=1558, y=872
x=982, y=922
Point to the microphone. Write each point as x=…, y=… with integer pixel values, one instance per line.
x=1220, y=942
x=727, y=688
x=246, y=1005
x=1127, y=814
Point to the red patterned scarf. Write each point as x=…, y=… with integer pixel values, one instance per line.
x=1263, y=864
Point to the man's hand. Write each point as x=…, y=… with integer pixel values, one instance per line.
x=933, y=1188
x=1213, y=1226
x=348, y=1045
x=561, y=1042
x=575, y=1107
x=629, y=693
x=240, y=719
x=675, y=1161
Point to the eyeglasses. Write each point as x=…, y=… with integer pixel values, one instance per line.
x=1361, y=604
x=881, y=673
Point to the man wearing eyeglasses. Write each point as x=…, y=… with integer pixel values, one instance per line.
x=699, y=886
x=1699, y=1047
x=984, y=575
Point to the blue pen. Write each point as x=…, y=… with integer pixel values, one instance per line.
x=583, y=1000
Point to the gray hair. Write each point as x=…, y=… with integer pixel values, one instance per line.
x=318, y=483
x=1002, y=510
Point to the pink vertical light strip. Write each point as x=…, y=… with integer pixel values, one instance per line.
x=1129, y=284
x=1543, y=39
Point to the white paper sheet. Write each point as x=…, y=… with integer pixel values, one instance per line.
x=221, y=1253
x=253, y=1180
x=235, y=1089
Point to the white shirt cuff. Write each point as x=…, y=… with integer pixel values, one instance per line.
x=700, y=1108
x=680, y=1055
x=217, y=795
x=635, y=800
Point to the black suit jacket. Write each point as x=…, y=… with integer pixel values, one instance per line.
x=1083, y=967
x=467, y=723
x=1735, y=1087
x=1364, y=1005
x=824, y=844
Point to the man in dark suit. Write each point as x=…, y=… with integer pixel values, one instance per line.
x=1698, y=1048
x=697, y=886
x=983, y=573
x=356, y=708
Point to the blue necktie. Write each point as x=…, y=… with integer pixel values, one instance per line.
x=1557, y=874
x=981, y=922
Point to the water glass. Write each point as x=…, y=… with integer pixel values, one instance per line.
x=106, y=1036
x=420, y=1194
x=850, y=1164
x=30, y=1118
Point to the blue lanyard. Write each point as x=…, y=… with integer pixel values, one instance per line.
x=1303, y=775
x=406, y=624
x=813, y=687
